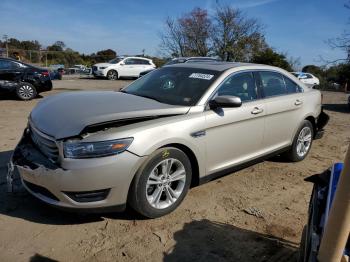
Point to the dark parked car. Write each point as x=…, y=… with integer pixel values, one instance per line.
x=26, y=81
x=57, y=74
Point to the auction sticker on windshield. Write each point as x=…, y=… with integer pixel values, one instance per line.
x=201, y=76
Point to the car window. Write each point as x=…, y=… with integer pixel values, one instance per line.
x=291, y=86
x=308, y=76
x=130, y=61
x=5, y=64
x=115, y=60
x=272, y=83
x=142, y=62
x=175, y=86
x=241, y=85
x=138, y=61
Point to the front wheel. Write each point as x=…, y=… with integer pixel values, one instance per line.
x=112, y=75
x=161, y=183
x=302, y=142
x=26, y=91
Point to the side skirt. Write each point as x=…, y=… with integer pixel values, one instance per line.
x=232, y=169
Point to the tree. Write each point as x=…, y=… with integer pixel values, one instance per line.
x=236, y=37
x=196, y=29
x=342, y=42
x=172, y=39
x=270, y=57
x=105, y=55
x=57, y=46
x=227, y=34
x=188, y=35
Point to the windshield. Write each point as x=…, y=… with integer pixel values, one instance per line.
x=115, y=60
x=174, y=85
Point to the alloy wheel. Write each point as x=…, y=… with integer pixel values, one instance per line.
x=26, y=91
x=304, y=141
x=112, y=75
x=165, y=183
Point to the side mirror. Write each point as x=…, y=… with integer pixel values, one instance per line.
x=225, y=101
x=122, y=63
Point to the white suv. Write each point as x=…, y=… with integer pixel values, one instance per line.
x=122, y=67
x=308, y=79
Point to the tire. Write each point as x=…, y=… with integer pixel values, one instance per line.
x=152, y=193
x=301, y=148
x=26, y=91
x=112, y=75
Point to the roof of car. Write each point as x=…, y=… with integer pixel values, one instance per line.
x=9, y=58
x=134, y=57
x=216, y=66
x=195, y=57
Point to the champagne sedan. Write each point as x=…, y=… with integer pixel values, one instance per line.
x=174, y=128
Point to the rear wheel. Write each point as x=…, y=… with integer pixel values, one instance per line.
x=112, y=75
x=161, y=183
x=302, y=142
x=26, y=91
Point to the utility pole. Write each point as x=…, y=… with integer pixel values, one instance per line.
x=5, y=37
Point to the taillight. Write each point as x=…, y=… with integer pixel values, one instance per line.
x=45, y=73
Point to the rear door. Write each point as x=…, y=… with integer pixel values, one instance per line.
x=284, y=103
x=5, y=70
x=235, y=135
x=142, y=65
x=10, y=72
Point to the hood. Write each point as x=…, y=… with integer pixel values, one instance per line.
x=67, y=114
x=103, y=64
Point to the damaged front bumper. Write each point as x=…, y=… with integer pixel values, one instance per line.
x=96, y=184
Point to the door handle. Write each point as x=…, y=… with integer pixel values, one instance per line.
x=257, y=110
x=298, y=102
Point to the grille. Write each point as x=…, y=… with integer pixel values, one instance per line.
x=45, y=144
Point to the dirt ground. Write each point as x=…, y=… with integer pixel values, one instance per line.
x=211, y=224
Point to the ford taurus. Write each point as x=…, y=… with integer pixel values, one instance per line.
x=176, y=127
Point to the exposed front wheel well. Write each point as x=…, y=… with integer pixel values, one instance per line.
x=193, y=160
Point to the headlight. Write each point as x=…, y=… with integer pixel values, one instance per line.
x=103, y=67
x=73, y=149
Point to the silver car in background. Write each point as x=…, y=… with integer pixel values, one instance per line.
x=176, y=127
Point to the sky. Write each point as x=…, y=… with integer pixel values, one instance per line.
x=299, y=28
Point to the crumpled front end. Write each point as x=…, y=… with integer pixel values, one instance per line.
x=96, y=184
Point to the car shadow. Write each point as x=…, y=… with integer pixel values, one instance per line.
x=25, y=206
x=340, y=108
x=40, y=258
x=278, y=159
x=205, y=240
